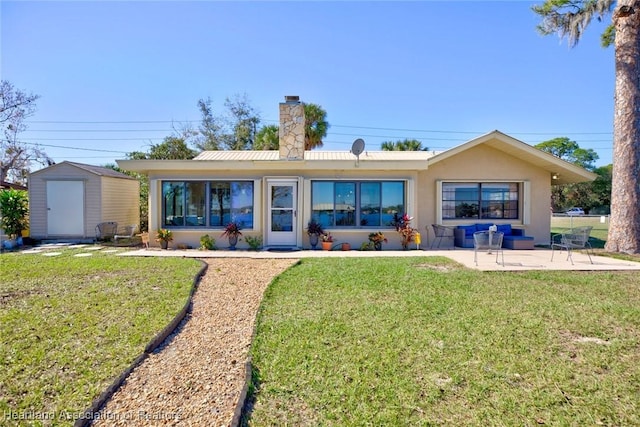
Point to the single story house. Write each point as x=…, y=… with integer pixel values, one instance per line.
x=493, y=178
x=67, y=200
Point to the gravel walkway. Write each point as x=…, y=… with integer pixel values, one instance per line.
x=195, y=379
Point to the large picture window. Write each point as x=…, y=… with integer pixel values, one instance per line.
x=480, y=200
x=207, y=204
x=352, y=204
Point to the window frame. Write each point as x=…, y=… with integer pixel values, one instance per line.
x=522, y=191
x=207, y=202
x=357, y=202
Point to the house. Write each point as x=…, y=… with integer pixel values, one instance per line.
x=67, y=200
x=492, y=178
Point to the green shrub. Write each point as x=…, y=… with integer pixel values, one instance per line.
x=254, y=242
x=14, y=208
x=207, y=243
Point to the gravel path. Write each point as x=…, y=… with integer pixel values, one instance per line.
x=196, y=377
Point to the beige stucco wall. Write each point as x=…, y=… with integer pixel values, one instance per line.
x=484, y=164
x=478, y=164
x=260, y=177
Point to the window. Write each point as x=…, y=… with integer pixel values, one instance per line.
x=480, y=200
x=353, y=204
x=207, y=204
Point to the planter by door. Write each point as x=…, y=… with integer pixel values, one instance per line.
x=326, y=246
x=233, y=241
x=164, y=244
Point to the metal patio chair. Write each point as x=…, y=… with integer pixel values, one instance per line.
x=441, y=232
x=574, y=238
x=490, y=241
x=126, y=234
x=106, y=230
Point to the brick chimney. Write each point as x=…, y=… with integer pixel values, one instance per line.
x=291, y=130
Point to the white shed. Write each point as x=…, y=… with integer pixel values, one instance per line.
x=68, y=200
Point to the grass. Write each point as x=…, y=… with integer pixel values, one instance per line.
x=598, y=236
x=423, y=341
x=70, y=325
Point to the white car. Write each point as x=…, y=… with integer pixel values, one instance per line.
x=575, y=211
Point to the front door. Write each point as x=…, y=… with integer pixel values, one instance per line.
x=282, y=212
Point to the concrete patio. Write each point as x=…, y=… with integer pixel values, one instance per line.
x=514, y=260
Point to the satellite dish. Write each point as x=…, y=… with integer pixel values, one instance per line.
x=358, y=147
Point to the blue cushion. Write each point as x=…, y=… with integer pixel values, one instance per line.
x=505, y=228
x=483, y=227
x=468, y=230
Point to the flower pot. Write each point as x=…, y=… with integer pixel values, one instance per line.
x=346, y=247
x=326, y=246
x=233, y=241
x=377, y=246
x=164, y=244
x=313, y=240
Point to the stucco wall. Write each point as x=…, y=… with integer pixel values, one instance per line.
x=481, y=164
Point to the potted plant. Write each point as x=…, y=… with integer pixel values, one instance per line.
x=403, y=226
x=232, y=231
x=164, y=236
x=376, y=239
x=327, y=241
x=14, y=207
x=314, y=230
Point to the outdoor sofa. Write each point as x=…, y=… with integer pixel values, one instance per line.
x=514, y=238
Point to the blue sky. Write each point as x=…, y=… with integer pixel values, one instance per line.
x=115, y=77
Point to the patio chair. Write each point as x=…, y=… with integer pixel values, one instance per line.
x=489, y=240
x=126, y=234
x=441, y=232
x=106, y=230
x=574, y=238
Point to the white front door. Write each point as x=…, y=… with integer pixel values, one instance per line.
x=282, y=212
x=65, y=208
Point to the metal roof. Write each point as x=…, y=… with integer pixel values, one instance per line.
x=319, y=155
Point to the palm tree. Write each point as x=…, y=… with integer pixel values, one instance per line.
x=569, y=19
x=404, y=145
x=316, y=126
x=267, y=138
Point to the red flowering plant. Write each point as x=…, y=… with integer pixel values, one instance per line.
x=232, y=229
x=403, y=226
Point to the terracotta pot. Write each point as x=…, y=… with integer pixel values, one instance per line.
x=346, y=247
x=326, y=246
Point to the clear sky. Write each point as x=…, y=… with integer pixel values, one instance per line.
x=115, y=77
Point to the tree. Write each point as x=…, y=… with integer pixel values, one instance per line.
x=570, y=151
x=16, y=156
x=403, y=145
x=316, y=126
x=171, y=148
x=243, y=122
x=567, y=195
x=569, y=18
x=267, y=138
x=210, y=131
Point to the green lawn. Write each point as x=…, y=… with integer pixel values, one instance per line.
x=599, y=231
x=70, y=325
x=423, y=341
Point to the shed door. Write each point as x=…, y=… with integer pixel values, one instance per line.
x=65, y=208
